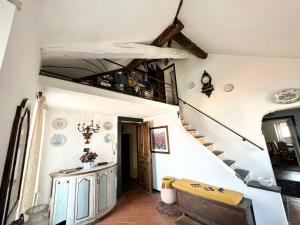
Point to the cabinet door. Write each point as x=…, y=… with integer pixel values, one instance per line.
x=61, y=193
x=83, y=201
x=113, y=187
x=101, y=192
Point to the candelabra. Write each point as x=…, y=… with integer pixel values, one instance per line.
x=88, y=130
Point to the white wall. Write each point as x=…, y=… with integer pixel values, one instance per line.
x=67, y=156
x=7, y=11
x=255, y=80
x=189, y=159
x=18, y=75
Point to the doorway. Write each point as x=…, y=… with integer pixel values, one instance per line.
x=282, y=138
x=129, y=147
x=134, y=155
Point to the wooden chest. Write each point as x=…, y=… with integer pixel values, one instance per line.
x=210, y=212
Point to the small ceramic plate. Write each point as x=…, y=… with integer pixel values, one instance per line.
x=59, y=123
x=107, y=125
x=58, y=140
x=108, y=138
x=228, y=87
x=287, y=96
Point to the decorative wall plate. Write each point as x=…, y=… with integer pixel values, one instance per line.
x=108, y=138
x=287, y=96
x=107, y=125
x=228, y=87
x=191, y=85
x=58, y=140
x=59, y=123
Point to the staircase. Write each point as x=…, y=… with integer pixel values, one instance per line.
x=240, y=173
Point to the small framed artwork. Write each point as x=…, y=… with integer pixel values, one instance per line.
x=159, y=138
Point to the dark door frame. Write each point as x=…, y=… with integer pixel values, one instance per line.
x=294, y=124
x=119, y=152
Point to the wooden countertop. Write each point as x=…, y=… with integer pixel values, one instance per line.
x=82, y=171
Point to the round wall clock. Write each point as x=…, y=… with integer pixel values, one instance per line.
x=58, y=140
x=206, y=78
x=287, y=96
x=107, y=125
x=59, y=123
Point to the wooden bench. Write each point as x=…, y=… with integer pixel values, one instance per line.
x=209, y=211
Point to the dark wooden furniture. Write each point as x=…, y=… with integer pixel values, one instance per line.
x=210, y=212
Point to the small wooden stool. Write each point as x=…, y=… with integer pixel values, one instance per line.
x=184, y=220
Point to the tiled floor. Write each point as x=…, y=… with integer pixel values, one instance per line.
x=137, y=208
x=294, y=210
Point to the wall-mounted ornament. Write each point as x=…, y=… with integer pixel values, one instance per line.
x=287, y=96
x=58, y=140
x=108, y=138
x=59, y=123
x=207, y=87
x=191, y=85
x=228, y=87
x=107, y=125
x=88, y=130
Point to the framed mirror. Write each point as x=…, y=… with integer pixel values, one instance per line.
x=14, y=165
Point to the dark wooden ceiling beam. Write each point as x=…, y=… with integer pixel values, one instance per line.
x=162, y=39
x=185, y=42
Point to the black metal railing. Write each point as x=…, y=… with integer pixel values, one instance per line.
x=152, y=85
x=223, y=125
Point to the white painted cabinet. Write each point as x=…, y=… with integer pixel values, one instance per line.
x=83, y=197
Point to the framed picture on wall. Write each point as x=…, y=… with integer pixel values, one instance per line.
x=159, y=137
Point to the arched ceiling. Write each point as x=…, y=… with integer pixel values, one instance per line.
x=241, y=27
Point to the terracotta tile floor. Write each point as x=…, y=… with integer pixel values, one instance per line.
x=294, y=210
x=137, y=208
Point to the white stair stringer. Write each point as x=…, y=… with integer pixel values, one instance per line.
x=212, y=170
x=242, y=174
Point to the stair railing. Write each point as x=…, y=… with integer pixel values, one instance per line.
x=226, y=127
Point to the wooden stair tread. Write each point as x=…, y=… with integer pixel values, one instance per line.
x=208, y=144
x=242, y=173
x=199, y=136
x=228, y=162
x=191, y=130
x=217, y=152
x=184, y=220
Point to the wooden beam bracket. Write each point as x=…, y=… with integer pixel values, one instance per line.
x=185, y=42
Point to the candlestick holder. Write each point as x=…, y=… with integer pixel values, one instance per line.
x=88, y=130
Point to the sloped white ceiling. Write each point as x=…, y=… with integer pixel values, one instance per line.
x=240, y=27
x=114, y=21
x=243, y=27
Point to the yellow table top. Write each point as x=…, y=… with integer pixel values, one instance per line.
x=208, y=191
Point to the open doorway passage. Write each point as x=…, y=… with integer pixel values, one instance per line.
x=134, y=155
x=129, y=147
x=282, y=137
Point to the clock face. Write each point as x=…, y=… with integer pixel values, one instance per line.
x=205, y=79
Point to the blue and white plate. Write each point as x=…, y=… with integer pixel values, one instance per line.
x=58, y=140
